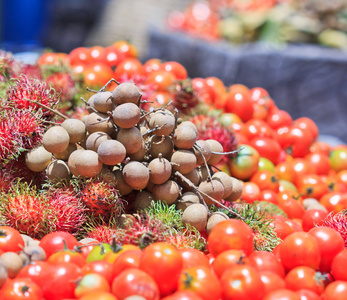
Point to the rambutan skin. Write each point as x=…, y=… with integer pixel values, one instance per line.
x=337, y=221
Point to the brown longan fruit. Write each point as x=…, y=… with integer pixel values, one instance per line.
x=236, y=191
x=65, y=154
x=131, y=139
x=136, y=175
x=126, y=115
x=227, y=182
x=126, y=92
x=32, y=253
x=97, y=121
x=158, y=144
x=71, y=161
x=196, y=216
x=214, y=219
x=12, y=262
x=159, y=170
x=193, y=176
x=142, y=200
x=184, y=137
x=164, y=120
x=121, y=185
x=215, y=147
x=3, y=273
x=90, y=104
x=201, y=151
x=167, y=192
x=56, y=139
x=95, y=139
x=37, y=159
x=183, y=161
x=140, y=154
x=103, y=102
x=111, y=152
x=187, y=198
x=87, y=164
x=58, y=170
x=213, y=188
x=203, y=173
x=76, y=129
x=190, y=124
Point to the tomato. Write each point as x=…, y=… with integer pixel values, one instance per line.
x=266, y=180
x=330, y=244
x=279, y=119
x=250, y=192
x=183, y=295
x=200, y=280
x=21, y=288
x=85, y=249
x=267, y=147
x=159, y=99
x=128, y=49
x=97, y=74
x=242, y=282
x=298, y=142
x=129, y=68
x=58, y=240
x=282, y=294
x=134, y=281
x=266, y=164
x=99, y=252
x=193, y=257
x=285, y=185
x=341, y=178
x=152, y=65
x=281, y=227
x=111, y=256
x=307, y=295
x=320, y=147
x=91, y=283
x=300, y=167
x=245, y=163
x=255, y=128
x=227, y=259
x=239, y=103
x=112, y=56
x=312, y=218
x=259, y=112
x=80, y=56
x=10, y=239
x=293, y=208
x=67, y=256
x=269, y=196
x=53, y=59
x=170, y=261
x=101, y=267
x=311, y=186
x=339, y=264
x=257, y=93
x=217, y=84
x=161, y=80
x=98, y=296
x=334, y=201
x=127, y=259
x=272, y=281
x=300, y=249
x=266, y=261
x=307, y=124
x=37, y=271
x=174, y=67
x=62, y=281
x=338, y=159
x=303, y=277
x=336, y=290
x=285, y=170
x=96, y=53
x=205, y=92
x=320, y=161
x=230, y=234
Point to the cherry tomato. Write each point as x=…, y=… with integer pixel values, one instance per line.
x=312, y=218
x=134, y=281
x=320, y=147
x=37, y=271
x=334, y=201
x=279, y=119
x=21, y=288
x=308, y=295
x=266, y=180
x=300, y=167
x=193, y=257
x=227, y=259
x=272, y=281
x=111, y=256
x=336, y=290
x=282, y=294
x=128, y=68
x=320, y=161
x=101, y=267
x=152, y=65
x=89, y=283
x=127, y=259
x=183, y=295
x=161, y=80
x=293, y=208
x=170, y=261
x=230, y=234
x=112, y=56
x=266, y=261
x=298, y=142
x=176, y=69
x=67, y=256
x=96, y=53
x=205, y=92
x=250, y=192
x=80, y=56
x=58, y=240
x=267, y=147
x=311, y=186
x=97, y=74
x=281, y=227
x=338, y=159
x=98, y=296
x=242, y=282
x=127, y=48
x=10, y=239
x=53, y=59
x=285, y=171
x=269, y=196
x=202, y=281
x=307, y=124
x=339, y=264
x=300, y=249
x=239, y=103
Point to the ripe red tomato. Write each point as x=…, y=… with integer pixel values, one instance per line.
x=170, y=261
x=152, y=65
x=281, y=227
x=257, y=128
x=293, y=208
x=300, y=249
x=336, y=290
x=217, y=85
x=176, y=69
x=266, y=180
x=307, y=124
x=52, y=59
x=193, y=257
x=96, y=53
x=239, y=103
x=101, y=267
x=308, y=295
x=311, y=186
x=202, y=281
x=285, y=171
x=320, y=161
x=80, y=56
x=90, y=283
x=300, y=167
x=112, y=56
x=279, y=118
x=67, y=256
x=250, y=192
x=111, y=256
x=269, y=196
x=37, y=271
x=242, y=282
x=58, y=240
x=257, y=93
x=183, y=295
x=129, y=68
x=98, y=296
x=10, y=239
x=297, y=142
x=227, y=259
x=312, y=218
x=128, y=49
x=134, y=281
x=161, y=80
x=127, y=259
x=339, y=264
x=97, y=74
x=267, y=147
x=230, y=234
x=282, y=294
x=272, y=281
x=21, y=288
x=334, y=201
x=266, y=261
x=321, y=147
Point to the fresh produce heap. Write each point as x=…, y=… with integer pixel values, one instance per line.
x=275, y=22
x=125, y=194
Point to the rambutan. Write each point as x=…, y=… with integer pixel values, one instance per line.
x=184, y=97
x=102, y=233
x=209, y=127
x=337, y=221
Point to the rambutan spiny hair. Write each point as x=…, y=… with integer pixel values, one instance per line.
x=337, y=221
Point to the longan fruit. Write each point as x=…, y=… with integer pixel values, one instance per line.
x=95, y=139
x=158, y=144
x=87, y=164
x=214, y=219
x=227, y=182
x=136, y=175
x=71, y=161
x=3, y=273
x=65, y=154
x=56, y=139
x=126, y=115
x=90, y=104
x=123, y=188
x=97, y=121
x=187, y=198
x=142, y=200
x=215, y=147
x=12, y=262
x=76, y=129
x=103, y=102
x=196, y=216
x=184, y=137
x=192, y=176
x=167, y=192
x=190, y=124
x=126, y=92
x=159, y=170
x=236, y=191
x=140, y=154
x=183, y=161
x=58, y=170
x=164, y=120
x=111, y=152
x=37, y=159
x=213, y=188
x=201, y=151
x=131, y=139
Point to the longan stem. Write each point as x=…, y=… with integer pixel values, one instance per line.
x=197, y=147
x=48, y=108
x=87, y=104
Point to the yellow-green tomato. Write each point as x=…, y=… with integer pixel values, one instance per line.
x=90, y=283
x=98, y=252
x=266, y=164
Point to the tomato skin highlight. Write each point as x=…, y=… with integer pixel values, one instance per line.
x=10, y=239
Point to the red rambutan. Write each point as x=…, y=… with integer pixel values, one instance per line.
x=337, y=221
x=102, y=233
x=184, y=97
x=64, y=85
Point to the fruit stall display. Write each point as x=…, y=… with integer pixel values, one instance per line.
x=123, y=179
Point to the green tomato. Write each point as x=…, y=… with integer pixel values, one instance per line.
x=266, y=164
x=98, y=252
x=338, y=159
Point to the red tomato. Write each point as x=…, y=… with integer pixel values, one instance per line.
x=341, y=177
x=312, y=218
x=266, y=180
x=300, y=249
x=320, y=147
x=301, y=166
x=307, y=124
x=230, y=234
x=217, y=85
x=242, y=282
x=334, y=201
x=111, y=256
x=279, y=119
x=227, y=259
x=67, y=256
x=128, y=49
x=98, y=296
x=311, y=186
x=126, y=260
x=320, y=161
x=297, y=142
x=96, y=53
x=257, y=93
x=202, y=281
x=285, y=171
x=336, y=290
x=176, y=69
x=183, y=295
x=10, y=239
x=269, y=196
x=161, y=80
x=266, y=261
x=339, y=264
x=281, y=227
x=255, y=128
x=134, y=281
x=129, y=68
x=97, y=74
x=193, y=257
x=272, y=281
x=152, y=65
x=282, y=294
x=170, y=261
x=21, y=288
x=90, y=283
x=293, y=208
x=112, y=56
x=101, y=267
x=239, y=103
x=267, y=147
x=307, y=295
x=53, y=59
x=303, y=277
x=250, y=192
x=37, y=271
x=57, y=240
x=80, y=56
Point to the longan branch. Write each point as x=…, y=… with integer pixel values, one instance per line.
x=199, y=148
x=48, y=108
